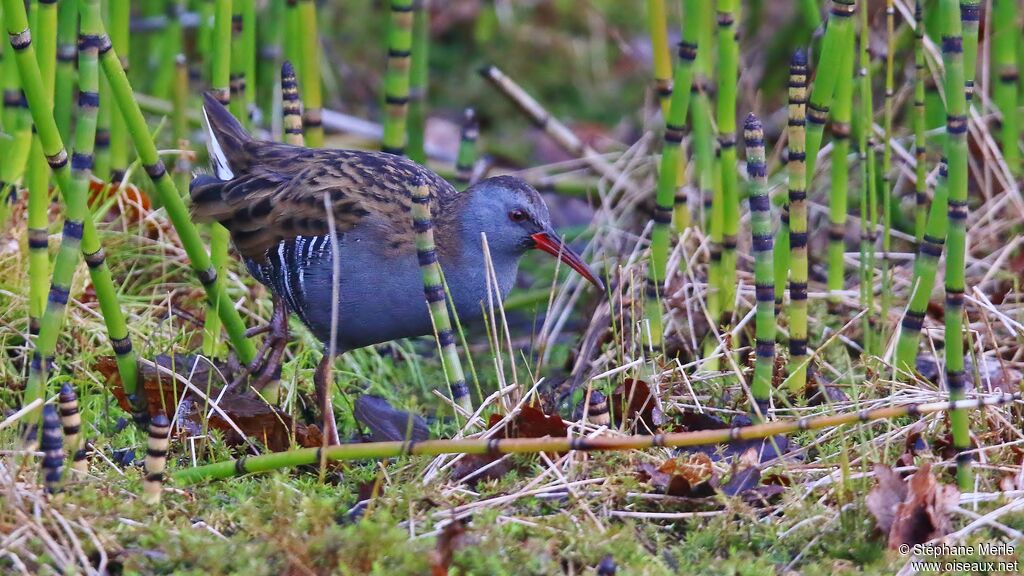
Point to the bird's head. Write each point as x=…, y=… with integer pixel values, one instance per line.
x=515, y=219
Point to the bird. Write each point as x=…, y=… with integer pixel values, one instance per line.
x=273, y=198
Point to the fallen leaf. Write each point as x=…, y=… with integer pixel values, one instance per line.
x=689, y=475
x=632, y=402
x=886, y=497
x=914, y=512
x=452, y=537
x=252, y=415
x=530, y=422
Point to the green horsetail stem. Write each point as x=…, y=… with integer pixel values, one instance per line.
x=81, y=171
x=668, y=174
x=543, y=120
x=396, y=79
x=17, y=123
x=437, y=301
x=869, y=192
x=309, y=75
x=920, y=144
x=237, y=81
x=798, y=222
x=37, y=176
x=761, y=234
x=156, y=458
x=269, y=56
x=40, y=104
x=954, y=50
x=782, y=258
x=929, y=251
x=728, y=76
x=662, y=60
x=120, y=16
x=291, y=106
x=171, y=47
x=67, y=53
x=839, y=191
x=418, y=78
x=466, y=158
x=220, y=49
x=715, y=293
x=835, y=46
x=293, y=35
x=934, y=239
x=887, y=178
x=1004, y=90
x=220, y=87
x=700, y=110
x=497, y=446
x=248, y=55
x=970, y=17
x=171, y=200
x=179, y=122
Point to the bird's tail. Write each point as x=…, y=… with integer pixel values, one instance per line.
x=226, y=139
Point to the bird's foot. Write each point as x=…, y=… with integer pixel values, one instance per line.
x=266, y=366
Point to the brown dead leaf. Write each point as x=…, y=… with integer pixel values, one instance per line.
x=253, y=416
x=531, y=422
x=688, y=475
x=452, y=537
x=914, y=512
x=632, y=401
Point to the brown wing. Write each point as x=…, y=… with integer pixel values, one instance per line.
x=281, y=195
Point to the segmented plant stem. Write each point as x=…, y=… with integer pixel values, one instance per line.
x=869, y=193
x=835, y=46
x=119, y=17
x=52, y=446
x=17, y=123
x=761, y=235
x=71, y=423
x=171, y=200
x=887, y=184
x=671, y=153
x=798, y=73
x=492, y=446
x=309, y=75
x=838, y=194
x=396, y=80
x=67, y=53
x=955, y=49
x=291, y=106
x=433, y=288
x=220, y=87
x=418, y=78
x=81, y=171
x=728, y=76
x=658, y=24
x=467, y=149
x=37, y=176
x=1005, y=37
x=237, y=80
x=156, y=458
x=920, y=145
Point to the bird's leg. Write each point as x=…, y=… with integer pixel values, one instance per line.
x=267, y=362
x=322, y=380
x=276, y=340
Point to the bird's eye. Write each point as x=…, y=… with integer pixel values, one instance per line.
x=517, y=216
